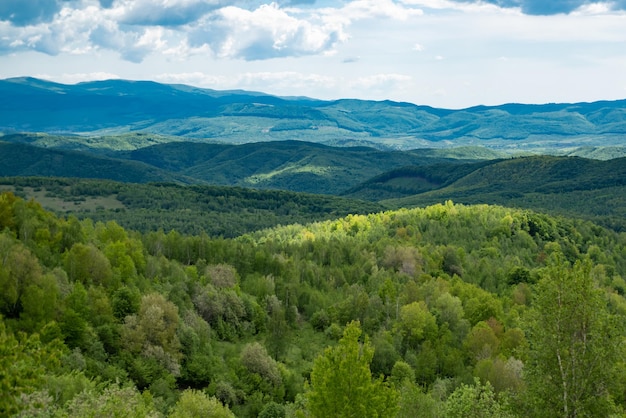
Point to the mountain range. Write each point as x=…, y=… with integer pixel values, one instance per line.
x=121, y=106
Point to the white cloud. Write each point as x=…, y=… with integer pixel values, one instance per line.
x=163, y=12
x=379, y=81
x=190, y=26
x=368, y=9
x=462, y=6
x=267, y=32
x=72, y=78
x=279, y=81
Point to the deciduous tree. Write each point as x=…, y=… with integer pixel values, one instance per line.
x=342, y=384
x=573, y=345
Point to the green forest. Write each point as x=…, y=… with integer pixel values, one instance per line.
x=447, y=310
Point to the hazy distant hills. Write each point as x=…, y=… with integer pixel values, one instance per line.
x=118, y=106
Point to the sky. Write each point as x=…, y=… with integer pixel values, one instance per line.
x=442, y=53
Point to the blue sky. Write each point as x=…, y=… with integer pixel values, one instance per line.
x=443, y=53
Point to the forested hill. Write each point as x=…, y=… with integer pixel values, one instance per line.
x=288, y=165
x=216, y=211
x=411, y=313
x=571, y=186
x=120, y=106
x=18, y=159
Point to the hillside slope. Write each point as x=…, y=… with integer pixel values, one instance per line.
x=196, y=209
x=288, y=165
x=571, y=186
x=26, y=160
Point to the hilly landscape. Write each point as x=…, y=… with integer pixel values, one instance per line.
x=120, y=106
x=566, y=185
x=171, y=251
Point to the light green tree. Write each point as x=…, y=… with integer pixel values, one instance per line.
x=478, y=401
x=113, y=402
x=342, y=384
x=573, y=344
x=416, y=324
x=195, y=404
x=24, y=361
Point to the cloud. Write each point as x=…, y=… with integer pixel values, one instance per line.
x=380, y=81
x=529, y=7
x=164, y=12
x=72, y=78
x=29, y=12
x=543, y=7
x=64, y=34
x=366, y=9
x=296, y=2
x=252, y=30
x=249, y=30
x=264, y=33
x=279, y=82
x=270, y=31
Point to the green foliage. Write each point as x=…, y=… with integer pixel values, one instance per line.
x=414, y=403
x=26, y=160
x=255, y=359
x=24, y=361
x=341, y=381
x=214, y=210
x=476, y=400
x=573, y=340
x=195, y=404
x=113, y=401
x=568, y=186
x=245, y=321
x=416, y=324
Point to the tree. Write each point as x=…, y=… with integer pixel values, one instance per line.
x=87, y=264
x=477, y=401
x=24, y=361
x=341, y=381
x=19, y=269
x=195, y=404
x=416, y=324
x=114, y=401
x=573, y=344
x=152, y=332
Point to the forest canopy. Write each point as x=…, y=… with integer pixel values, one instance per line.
x=431, y=311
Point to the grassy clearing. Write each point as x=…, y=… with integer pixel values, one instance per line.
x=64, y=204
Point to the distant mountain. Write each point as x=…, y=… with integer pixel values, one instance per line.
x=119, y=106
